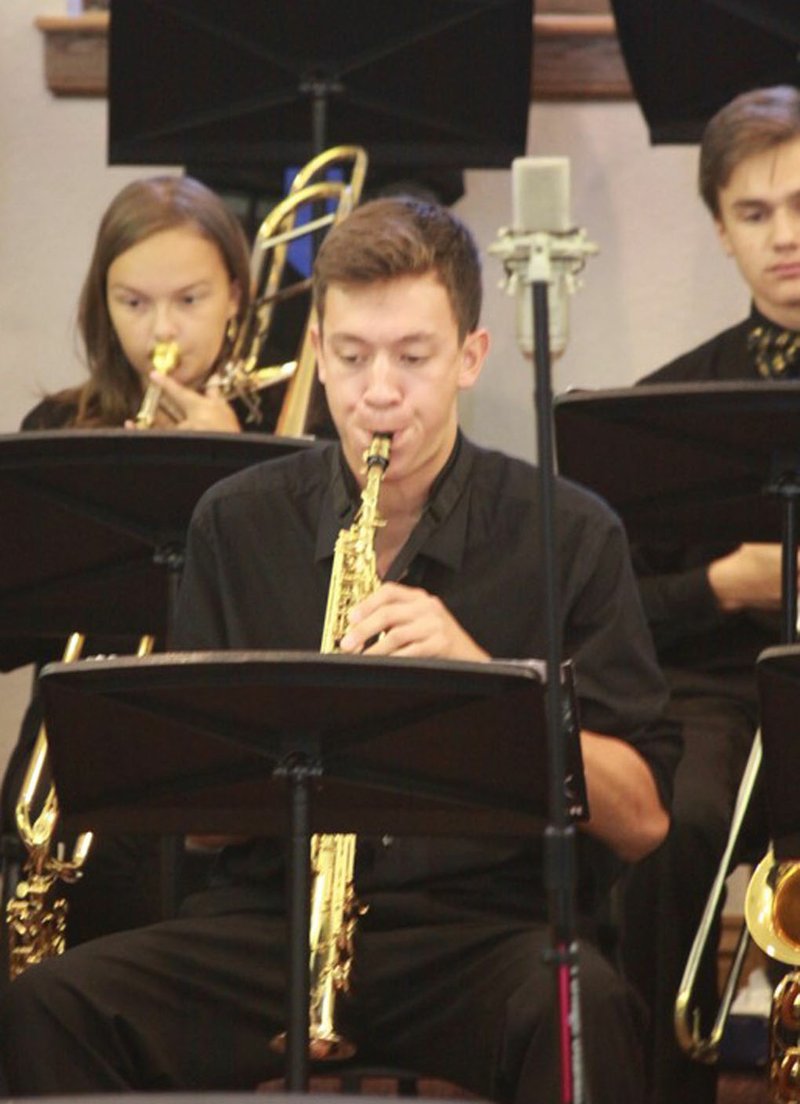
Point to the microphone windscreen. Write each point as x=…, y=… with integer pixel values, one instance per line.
x=540, y=195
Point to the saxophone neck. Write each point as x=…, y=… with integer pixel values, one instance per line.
x=354, y=572
x=376, y=461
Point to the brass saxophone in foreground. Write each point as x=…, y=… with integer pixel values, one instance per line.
x=334, y=906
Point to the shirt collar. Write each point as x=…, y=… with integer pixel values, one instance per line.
x=338, y=503
x=440, y=532
x=774, y=350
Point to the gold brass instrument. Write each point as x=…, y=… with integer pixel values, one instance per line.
x=772, y=915
x=165, y=357
x=772, y=908
x=35, y=920
x=334, y=906
x=784, y=1030
x=687, y=1016
x=241, y=378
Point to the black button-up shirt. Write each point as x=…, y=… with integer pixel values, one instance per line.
x=257, y=571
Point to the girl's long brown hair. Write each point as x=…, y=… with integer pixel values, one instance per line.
x=113, y=392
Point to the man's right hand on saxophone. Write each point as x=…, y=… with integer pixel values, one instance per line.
x=400, y=620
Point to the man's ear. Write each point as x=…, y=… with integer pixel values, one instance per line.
x=473, y=356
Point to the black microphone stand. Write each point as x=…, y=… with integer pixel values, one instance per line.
x=559, y=838
x=527, y=260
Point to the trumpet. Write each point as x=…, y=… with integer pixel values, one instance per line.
x=165, y=357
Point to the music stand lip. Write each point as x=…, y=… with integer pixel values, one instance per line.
x=390, y=737
x=712, y=388
x=254, y=663
x=166, y=436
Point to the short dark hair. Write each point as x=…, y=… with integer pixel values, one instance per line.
x=751, y=123
x=401, y=236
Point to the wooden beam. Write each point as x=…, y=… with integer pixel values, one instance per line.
x=575, y=56
x=75, y=53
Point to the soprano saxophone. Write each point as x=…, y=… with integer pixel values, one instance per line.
x=334, y=906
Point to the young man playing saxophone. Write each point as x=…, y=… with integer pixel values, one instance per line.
x=449, y=975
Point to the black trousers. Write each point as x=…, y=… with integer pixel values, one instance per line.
x=190, y=1004
x=663, y=897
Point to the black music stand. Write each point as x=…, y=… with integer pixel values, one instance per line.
x=94, y=525
x=702, y=461
x=245, y=90
x=688, y=58
x=778, y=677
x=294, y=743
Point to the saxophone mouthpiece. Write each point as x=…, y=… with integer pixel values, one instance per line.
x=378, y=451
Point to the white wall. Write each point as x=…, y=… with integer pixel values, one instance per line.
x=54, y=185
x=658, y=286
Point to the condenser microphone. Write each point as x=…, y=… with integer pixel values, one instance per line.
x=542, y=244
x=540, y=205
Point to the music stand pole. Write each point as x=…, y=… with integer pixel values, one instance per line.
x=559, y=839
x=170, y=556
x=788, y=488
x=298, y=771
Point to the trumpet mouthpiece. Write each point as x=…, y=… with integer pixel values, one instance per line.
x=165, y=356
